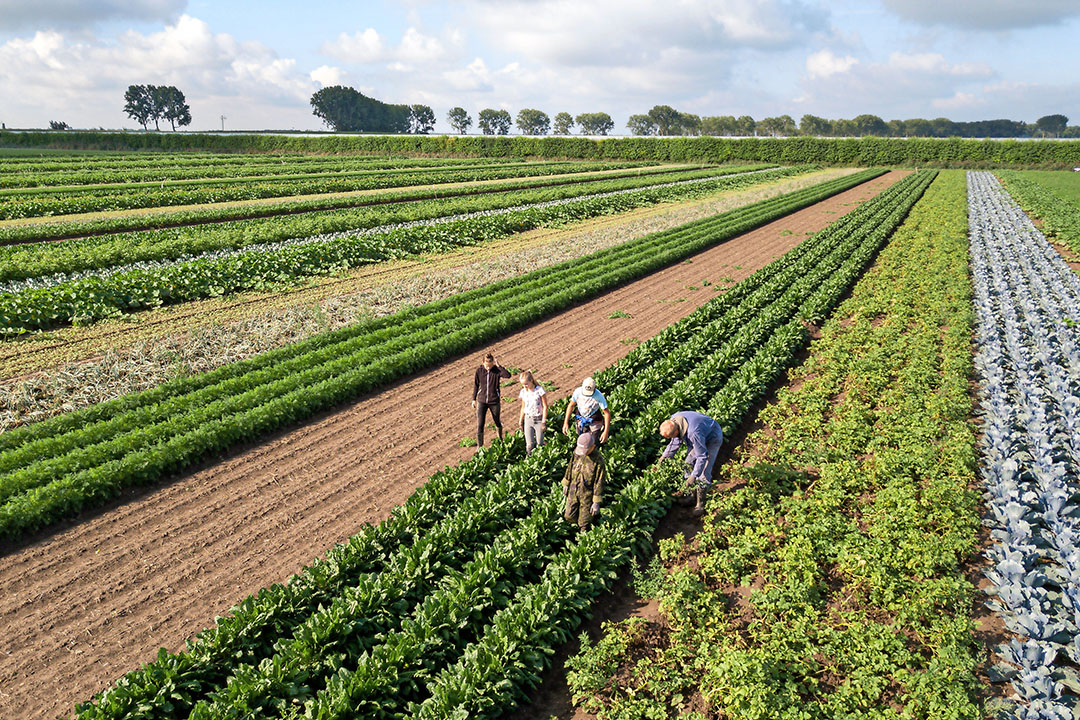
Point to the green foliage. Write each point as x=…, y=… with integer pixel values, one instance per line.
x=531, y=121
x=345, y=109
x=495, y=122
x=1053, y=198
x=459, y=119
x=829, y=583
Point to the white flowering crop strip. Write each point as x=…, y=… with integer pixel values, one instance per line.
x=1027, y=303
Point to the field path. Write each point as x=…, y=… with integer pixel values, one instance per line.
x=96, y=599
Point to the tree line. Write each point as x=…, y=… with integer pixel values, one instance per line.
x=666, y=120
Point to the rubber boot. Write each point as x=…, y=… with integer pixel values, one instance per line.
x=699, y=508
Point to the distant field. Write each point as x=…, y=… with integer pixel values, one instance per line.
x=1065, y=184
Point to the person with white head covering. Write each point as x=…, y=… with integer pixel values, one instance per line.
x=590, y=410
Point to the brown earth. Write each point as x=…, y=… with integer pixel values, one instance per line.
x=95, y=599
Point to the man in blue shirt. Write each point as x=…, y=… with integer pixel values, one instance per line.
x=705, y=437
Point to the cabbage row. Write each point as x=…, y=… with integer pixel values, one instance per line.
x=1060, y=217
x=459, y=620
x=267, y=267
x=1028, y=362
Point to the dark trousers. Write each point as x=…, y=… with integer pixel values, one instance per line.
x=481, y=409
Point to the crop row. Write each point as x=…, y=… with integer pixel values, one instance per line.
x=96, y=296
x=1060, y=217
x=402, y=624
x=58, y=466
x=1027, y=303
x=497, y=669
x=50, y=201
x=164, y=170
x=36, y=232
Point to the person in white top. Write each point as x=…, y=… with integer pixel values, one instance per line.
x=534, y=409
x=590, y=407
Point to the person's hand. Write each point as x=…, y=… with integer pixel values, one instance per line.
x=692, y=482
x=474, y=404
x=603, y=437
x=566, y=428
x=595, y=509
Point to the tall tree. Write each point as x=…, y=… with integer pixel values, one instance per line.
x=598, y=123
x=814, y=125
x=533, y=122
x=495, y=122
x=1052, y=125
x=870, y=125
x=421, y=119
x=745, y=125
x=459, y=119
x=689, y=124
x=170, y=104
x=641, y=125
x=139, y=104
x=562, y=123
x=668, y=120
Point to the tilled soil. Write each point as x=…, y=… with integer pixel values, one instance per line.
x=96, y=599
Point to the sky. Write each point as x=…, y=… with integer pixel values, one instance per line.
x=254, y=66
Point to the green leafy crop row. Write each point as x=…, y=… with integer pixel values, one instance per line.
x=829, y=582
x=1060, y=217
x=399, y=640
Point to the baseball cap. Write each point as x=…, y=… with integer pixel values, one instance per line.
x=584, y=444
x=588, y=385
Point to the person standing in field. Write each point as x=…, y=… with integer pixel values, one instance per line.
x=486, y=395
x=590, y=411
x=534, y=410
x=583, y=482
x=705, y=437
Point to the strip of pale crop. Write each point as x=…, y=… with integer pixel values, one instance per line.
x=54, y=227
x=828, y=580
x=161, y=344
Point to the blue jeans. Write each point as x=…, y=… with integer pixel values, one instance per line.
x=712, y=448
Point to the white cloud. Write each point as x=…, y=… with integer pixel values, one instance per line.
x=52, y=76
x=76, y=14
x=415, y=48
x=824, y=63
x=326, y=75
x=361, y=47
x=959, y=101
x=994, y=15
x=936, y=63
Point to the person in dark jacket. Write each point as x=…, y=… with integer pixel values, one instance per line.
x=704, y=436
x=487, y=396
x=583, y=482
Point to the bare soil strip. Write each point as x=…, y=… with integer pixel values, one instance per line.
x=71, y=344
x=96, y=599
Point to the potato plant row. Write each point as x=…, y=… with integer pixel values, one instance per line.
x=1028, y=360
x=97, y=297
x=37, y=232
x=103, y=198
x=59, y=466
x=401, y=642
x=164, y=170
x=829, y=582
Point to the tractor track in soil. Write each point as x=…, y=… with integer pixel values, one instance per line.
x=98, y=596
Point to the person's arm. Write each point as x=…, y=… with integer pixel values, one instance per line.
x=566, y=479
x=521, y=411
x=503, y=372
x=569, y=411
x=672, y=447
x=543, y=408
x=475, y=386
x=607, y=425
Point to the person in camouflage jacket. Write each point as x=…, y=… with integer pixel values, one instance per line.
x=583, y=482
